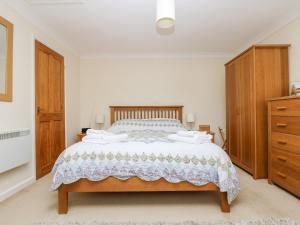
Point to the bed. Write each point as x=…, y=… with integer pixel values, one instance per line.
x=121, y=168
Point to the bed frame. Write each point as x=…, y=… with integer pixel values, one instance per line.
x=135, y=184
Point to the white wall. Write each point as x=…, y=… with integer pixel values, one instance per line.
x=198, y=84
x=20, y=112
x=289, y=34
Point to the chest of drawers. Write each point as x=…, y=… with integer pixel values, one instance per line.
x=284, y=143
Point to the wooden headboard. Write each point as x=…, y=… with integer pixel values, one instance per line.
x=145, y=112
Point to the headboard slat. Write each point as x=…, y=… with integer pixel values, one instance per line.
x=145, y=112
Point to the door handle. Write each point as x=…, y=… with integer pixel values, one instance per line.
x=39, y=109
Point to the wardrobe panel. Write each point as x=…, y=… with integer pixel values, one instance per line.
x=271, y=81
x=232, y=111
x=246, y=110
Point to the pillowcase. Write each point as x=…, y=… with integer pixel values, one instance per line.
x=127, y=125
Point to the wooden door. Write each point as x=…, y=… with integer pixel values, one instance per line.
x=232, y=121
x=50, y=112
x=246, y=105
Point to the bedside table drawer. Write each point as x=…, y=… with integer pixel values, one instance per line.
x=80, y=136
x=286, y=124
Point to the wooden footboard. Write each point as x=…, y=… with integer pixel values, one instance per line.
x=133, y=184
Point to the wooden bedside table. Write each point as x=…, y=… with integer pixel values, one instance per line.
x=207, y=129
x=80, y=136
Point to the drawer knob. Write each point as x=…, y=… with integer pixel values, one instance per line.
x=281, y=108
x=281, y=125
x=281, y=158
x=281, y=175
x=282, y=142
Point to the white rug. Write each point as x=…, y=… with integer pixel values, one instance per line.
x=268, y=221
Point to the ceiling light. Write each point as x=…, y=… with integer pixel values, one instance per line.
x=165, y=13
x=54, y=2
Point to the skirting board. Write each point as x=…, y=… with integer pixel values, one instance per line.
x=16, y=188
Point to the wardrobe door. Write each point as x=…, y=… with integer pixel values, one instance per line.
x=272, y=80
x=245, y=94
x=232, y=121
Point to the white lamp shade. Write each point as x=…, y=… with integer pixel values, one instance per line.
x=165, y=13
x=100, y=118
x=190, y=118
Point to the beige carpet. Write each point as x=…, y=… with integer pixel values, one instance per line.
x=268, y=221
x=257, y=200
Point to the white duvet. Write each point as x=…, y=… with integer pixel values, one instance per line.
x=149, y=156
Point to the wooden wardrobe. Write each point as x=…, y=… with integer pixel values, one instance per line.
x=257, y=74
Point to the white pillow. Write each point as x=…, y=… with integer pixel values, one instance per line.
x=127, y=125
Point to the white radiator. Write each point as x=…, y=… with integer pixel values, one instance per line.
x=15, y=148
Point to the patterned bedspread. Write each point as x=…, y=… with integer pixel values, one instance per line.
x=150, y=156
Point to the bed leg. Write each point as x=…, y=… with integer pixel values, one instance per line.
x=225, y=207
x=62, y=201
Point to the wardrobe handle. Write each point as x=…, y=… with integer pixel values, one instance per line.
x=281, y=108
x=282, y=142
x=281, y=175
x=281, y=158
x=281, y=125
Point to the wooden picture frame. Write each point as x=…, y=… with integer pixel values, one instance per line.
x=7, y=96
x=134, y=184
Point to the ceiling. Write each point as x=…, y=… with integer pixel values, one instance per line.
x=127, y=27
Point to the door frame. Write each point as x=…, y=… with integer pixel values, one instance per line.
x=34, y=104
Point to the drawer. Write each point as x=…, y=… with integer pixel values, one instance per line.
x=285, y=159
x=286, y=124
x=288, y=107
x=287, y=182
x=288, y=142
x=286, y=178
